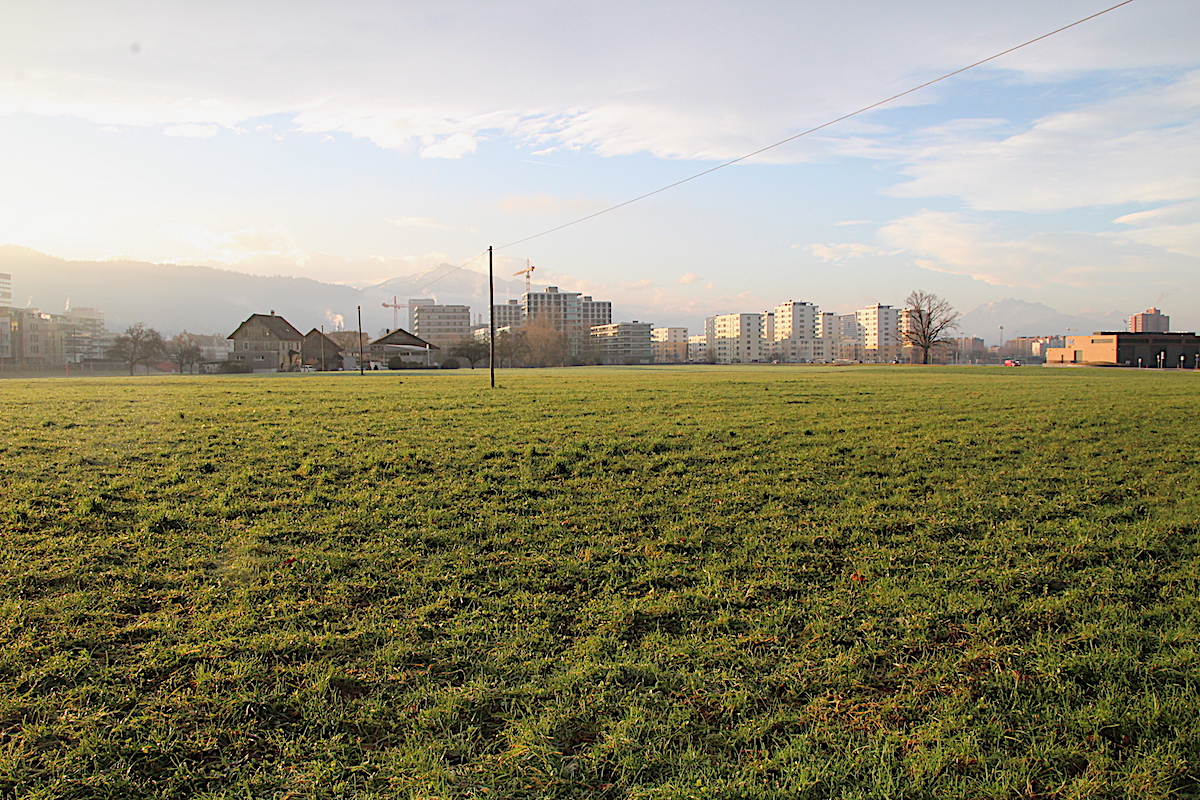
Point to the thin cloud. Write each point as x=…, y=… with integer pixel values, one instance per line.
x=674, y=91
x=192, y=131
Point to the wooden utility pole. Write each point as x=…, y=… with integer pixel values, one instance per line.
x=491, y=321
x=361, y=368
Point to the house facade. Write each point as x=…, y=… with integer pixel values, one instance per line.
x=267, y=343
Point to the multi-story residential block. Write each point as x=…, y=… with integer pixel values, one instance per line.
x=85, y=337
x=670, y=345
x=795, y=333
x=879, y=328
x=413, y=304
x=562, y=311
x=1150, y=321
x=698, y=348
x=969, y=350
x=267, y=343
x=1030, y=346
x=623, y=343
x=6, y=332
x=5, y=290
x=30, y=338
x=735, y=338
x=846, y=337
x=594, y=312
x=443, y=326
x=558, y=310
x=512, y=314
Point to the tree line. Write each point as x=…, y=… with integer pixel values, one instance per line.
x=140, y=345
x=930, y=321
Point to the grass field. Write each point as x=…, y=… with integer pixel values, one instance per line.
x=616, y=583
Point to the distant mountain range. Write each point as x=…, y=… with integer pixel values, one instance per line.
x=1021, y=318
x=172, y=297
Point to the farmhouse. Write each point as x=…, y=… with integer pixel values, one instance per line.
x=398, y=343
x=321, y=352
x=1167, y=350
x=267, y=343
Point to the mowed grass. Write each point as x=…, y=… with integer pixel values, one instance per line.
x=771, y=582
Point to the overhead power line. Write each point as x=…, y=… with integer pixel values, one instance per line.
x=793, y=138
x=781, y=142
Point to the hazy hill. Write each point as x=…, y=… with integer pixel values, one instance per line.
x=1021, y=318
x=169, y=297
x=173, y=297
x=444, y=283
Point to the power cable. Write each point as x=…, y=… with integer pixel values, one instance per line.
x=781, y=142
x=842, y=118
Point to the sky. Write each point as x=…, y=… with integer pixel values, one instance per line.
x=352, y=142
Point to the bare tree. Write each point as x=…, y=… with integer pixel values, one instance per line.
x=928, y=318
x=511, y=348
x=138, y=345
x=547, y=347
x=471, y=350
x=184, y=351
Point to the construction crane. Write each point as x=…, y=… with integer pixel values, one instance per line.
x=395, y=307
x=528, y=273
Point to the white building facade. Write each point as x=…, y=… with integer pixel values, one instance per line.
x=735, y=338
x=670, y=345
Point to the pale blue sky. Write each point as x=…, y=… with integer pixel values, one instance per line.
x=355, y=141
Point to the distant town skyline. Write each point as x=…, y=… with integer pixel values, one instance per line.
x=357, y=143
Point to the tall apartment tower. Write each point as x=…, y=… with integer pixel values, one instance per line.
x=879, y=326
x=1149, y=321
x=5, y=290
x=795, y=338
x=735, y=338
x=564, y=312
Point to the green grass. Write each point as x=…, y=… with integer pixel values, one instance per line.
x=612, y=583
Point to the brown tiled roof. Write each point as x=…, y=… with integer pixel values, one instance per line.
x=275, y=324
x=316, y=336
x=402, y=337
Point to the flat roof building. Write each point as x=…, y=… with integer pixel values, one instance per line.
x=1150, y=321
x=1161, y=350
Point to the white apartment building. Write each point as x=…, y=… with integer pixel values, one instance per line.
x=796, y=334
x=670, y=345
x=697, y=348
x=735, y=338
x=5, y=290
x=879, y=332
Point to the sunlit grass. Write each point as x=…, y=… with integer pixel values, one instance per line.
x=628, y=583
